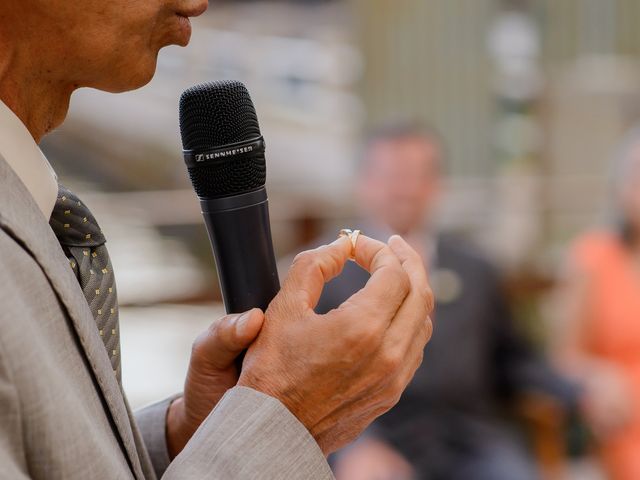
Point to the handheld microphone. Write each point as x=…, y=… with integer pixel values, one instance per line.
x=224, y=153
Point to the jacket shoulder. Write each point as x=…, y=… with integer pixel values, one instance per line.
x=458, y=253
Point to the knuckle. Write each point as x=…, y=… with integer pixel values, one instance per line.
x=405, y=281
x=428, y=329
x=370, y=336
x=399, y=384
x=380, y=254
x=217, y=328
x=422, y=327
x=429, y=299
x=390, y=362
x=198, y=343
x=418, y=362
x=304, y=259
x=396, y=388
x=351, y=338
x=361, y=338
x=323, y=259
x=395, y=400
x=380, y=409
x=400, y=279
x=412, y=363
x=426, y=300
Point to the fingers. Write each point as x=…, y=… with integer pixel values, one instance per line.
x=373, y=254
x=414, y=315
x=410, y=260
x=247, y=328
x=386, y=289
x=313, y=268
x=226, y=338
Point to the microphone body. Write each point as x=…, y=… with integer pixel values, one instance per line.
x=240, y=235
x=224, y=153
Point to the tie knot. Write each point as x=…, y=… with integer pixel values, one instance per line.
x=73, y=223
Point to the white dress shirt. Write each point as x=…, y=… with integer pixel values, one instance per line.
x=23, y=155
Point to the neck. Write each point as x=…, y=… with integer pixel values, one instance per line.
x=32, y=92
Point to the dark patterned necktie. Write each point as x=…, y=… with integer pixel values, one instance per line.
x=84, y=244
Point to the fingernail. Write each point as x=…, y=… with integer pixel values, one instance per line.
x=396, y=239
x=241, y=322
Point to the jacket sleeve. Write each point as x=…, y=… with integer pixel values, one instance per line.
x=12, y=456
x=152, y=424
x=250, y=435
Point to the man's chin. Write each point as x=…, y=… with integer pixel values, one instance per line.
x=130, y=79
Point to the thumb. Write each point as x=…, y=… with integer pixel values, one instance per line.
x=227, y=337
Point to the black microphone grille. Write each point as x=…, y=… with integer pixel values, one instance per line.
x=214, y=115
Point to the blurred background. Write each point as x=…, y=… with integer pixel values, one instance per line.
x=531, y=97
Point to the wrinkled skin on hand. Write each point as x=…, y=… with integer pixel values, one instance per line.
x=339, y=371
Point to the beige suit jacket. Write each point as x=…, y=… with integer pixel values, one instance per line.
x=62, y=413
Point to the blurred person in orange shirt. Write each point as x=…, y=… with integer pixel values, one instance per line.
x=448, y=422
x=598, y=336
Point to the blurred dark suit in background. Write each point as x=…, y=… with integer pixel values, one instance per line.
x=450, y=422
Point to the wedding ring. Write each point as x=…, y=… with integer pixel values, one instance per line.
x=353, y=237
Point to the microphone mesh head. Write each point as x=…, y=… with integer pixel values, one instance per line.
x=213, y=115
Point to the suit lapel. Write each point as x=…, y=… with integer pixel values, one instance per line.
x=20, y=215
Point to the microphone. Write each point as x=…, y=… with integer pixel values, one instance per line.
x=224, y=153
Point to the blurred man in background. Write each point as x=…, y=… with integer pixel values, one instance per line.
x=447, y=424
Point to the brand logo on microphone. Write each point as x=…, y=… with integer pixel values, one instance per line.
x=201, y=157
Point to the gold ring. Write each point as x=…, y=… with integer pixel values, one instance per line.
x=353, y=237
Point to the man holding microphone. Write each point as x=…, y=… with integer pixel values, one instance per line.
x=310, y=383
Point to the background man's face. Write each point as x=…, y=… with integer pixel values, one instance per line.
x=107, y=44
x=400, y=183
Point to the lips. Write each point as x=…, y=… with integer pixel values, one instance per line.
x=182, y=34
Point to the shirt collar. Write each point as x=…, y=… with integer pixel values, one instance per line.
x=23, y=155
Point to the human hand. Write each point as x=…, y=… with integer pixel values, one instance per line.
x=338, y=372
x=607, y=402
x=212, y=371
x=372, y=459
